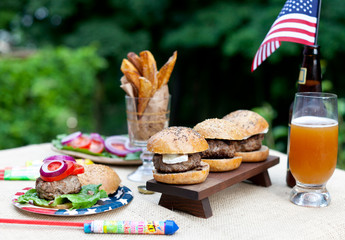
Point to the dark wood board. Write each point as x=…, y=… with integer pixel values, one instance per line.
x=175, y=196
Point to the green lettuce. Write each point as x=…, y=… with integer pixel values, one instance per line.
x=86, y=198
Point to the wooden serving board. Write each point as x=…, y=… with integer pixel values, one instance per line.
x=193, y=199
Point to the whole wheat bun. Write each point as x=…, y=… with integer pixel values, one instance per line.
x=254, y=156
x=223, y=165
x=248, y=122
x=194, y=176
x=216, y=128
x=100, y=174
x=177, y=140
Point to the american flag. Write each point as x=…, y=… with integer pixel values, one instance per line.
x=296, y=22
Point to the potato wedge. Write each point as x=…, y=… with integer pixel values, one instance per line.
x=145, y=92
x=136, y=61
x=131, y=74
x=149, y=68
x=164, y=73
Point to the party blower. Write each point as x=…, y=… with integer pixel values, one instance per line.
x=167, y=227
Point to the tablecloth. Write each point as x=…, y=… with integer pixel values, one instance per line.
x=242, y=211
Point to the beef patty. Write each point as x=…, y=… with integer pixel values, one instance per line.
x=50, y=190
x=194, y=160
x=219, y=149
x=250, y=144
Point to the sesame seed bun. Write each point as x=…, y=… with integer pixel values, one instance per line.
x=223, y=165
x=177, y=140
x=254, y=156
x=215, y=128
x=194, y=176
x=100, y=174
x=248, y=122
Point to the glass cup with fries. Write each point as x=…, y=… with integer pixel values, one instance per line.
x=147, y=104
x=141, y=126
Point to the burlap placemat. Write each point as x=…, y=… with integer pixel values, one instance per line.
x=243, y=211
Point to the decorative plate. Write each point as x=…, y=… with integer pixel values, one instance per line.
x=120, y=198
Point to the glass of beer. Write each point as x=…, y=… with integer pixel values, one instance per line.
x=313, y=147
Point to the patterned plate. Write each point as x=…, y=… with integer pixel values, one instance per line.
x=121, y=197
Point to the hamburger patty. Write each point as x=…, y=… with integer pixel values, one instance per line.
x=50, y=190
x=250, y=144
x=194, y=160
x=219, y=149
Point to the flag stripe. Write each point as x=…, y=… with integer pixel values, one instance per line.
x=291, y=29
x=293, y=25
x=297, y=16
x=301, y=21
x=282, y=34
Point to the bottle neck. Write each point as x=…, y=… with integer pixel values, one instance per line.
x=310, y=74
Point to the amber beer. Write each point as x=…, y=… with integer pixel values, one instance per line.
x=309, y=80
x=313, y=149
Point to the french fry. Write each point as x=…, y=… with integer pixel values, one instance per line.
x=164, y=73
x=149, y=69
x=145, y=91
x=136, y=61
x=141, y=77
x=131, y=74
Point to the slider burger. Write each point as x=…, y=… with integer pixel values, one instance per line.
x=219, y=134
x=253, y=128
x=177, y=156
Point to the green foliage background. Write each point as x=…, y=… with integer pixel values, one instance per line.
x=216, y=41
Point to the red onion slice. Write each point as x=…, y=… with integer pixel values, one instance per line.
x=120, y=140
x=96, y=137
x=45, y=172
x=71, y=137
x=131, y=148
x=60, y=157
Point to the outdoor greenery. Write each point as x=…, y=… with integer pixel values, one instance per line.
x=216, y=41
x=46, y=93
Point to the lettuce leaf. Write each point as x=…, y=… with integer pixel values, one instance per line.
x=86, y=198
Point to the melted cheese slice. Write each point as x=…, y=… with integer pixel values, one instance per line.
x=263, y=132
x=174, y=158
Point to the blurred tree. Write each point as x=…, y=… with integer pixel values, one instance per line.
x=216, y=41
x=47, y=93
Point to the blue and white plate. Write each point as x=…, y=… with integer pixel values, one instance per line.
x=120, y=198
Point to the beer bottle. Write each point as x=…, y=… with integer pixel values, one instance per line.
x=309, y=80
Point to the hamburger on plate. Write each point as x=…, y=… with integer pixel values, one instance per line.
x=253, y=128
x=177, y=156
x=63, y=183
x=220, y=135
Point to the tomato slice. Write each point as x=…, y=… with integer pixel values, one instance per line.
x=78, y=169
x=53, y=166
x=119, y=146
x=69, y=171
x=80, y=142
x=96, y=146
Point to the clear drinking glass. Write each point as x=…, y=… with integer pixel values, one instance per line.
x=141, y=126
x=313, y=147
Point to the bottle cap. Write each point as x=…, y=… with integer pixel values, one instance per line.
x=142, y=189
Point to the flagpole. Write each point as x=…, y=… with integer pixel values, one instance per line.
x=317, y=22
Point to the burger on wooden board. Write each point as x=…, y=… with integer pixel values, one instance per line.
x=253, y=128
x=220, y=135
x=177, y=156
